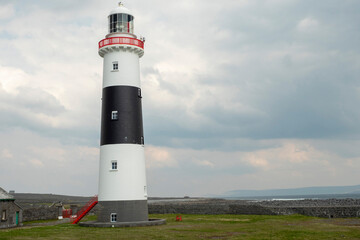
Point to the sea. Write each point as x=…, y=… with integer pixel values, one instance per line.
x=296, y=197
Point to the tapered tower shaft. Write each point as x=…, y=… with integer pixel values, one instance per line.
x=122, y=177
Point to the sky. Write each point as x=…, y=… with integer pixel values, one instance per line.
x=237, y=94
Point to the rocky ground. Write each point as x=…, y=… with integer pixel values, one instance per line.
x=329, y=208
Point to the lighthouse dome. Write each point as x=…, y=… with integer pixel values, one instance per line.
x=121, y=21
x=120, y=9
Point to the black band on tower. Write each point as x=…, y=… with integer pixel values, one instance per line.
x=121, y=117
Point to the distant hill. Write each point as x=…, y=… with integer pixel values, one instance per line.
x=39, y=197
x=27, y=200
x=295, y=191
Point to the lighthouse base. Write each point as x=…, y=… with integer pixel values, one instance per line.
x=126, y=211
x=128, y=214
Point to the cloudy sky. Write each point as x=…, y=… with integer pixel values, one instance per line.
x=237, y=94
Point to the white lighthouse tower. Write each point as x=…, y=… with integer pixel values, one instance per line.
x=122, y=178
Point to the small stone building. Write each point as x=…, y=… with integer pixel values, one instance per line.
x=10, y=212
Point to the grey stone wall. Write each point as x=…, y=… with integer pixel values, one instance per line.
x=127, y=211
x=320, y=208
x=331, y=208
x=325, y=212
x=40, y=213
x=207, y=206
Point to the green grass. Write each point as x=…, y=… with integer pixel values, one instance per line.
x=204, y=227
x=39, y=221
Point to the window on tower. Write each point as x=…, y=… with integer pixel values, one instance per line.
x=115, y=66
x=145, y=191
x=114, y=165
x=113, y=217
x=114, y=115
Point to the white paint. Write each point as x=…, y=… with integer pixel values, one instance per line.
x=129, y=181
x=128, y=73
x=120, y=9
x=121, y=48
x=121, y=34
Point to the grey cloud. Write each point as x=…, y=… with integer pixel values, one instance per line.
x=319, y=104
x=26, y=102
x=192, y=181
x=35, y=163
x=37, y=101
x=260, y=78
x=298, y=85
x=345, y=148
x=21, y=111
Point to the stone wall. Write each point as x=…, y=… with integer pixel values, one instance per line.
x=318, y=208
x=311, y=203
x=332, y=208
x=40, y=213
x=325, y=212
x=329, y=208
x=207, y=206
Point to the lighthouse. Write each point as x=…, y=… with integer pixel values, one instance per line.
x=122, y=177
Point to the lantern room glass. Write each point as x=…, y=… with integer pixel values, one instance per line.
x=121, y=23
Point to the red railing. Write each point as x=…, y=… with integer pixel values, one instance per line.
x=84, y=210
x=121, y=40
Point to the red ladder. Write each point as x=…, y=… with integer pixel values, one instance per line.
x=84, y=210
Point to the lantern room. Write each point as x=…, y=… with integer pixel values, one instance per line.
x=121, y=20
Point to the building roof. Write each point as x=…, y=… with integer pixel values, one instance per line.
x=4, y=195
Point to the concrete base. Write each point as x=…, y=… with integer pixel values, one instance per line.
x=126, y=211
x=150, y=222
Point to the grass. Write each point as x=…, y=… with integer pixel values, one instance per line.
x=204, y=227
x=39, y=221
